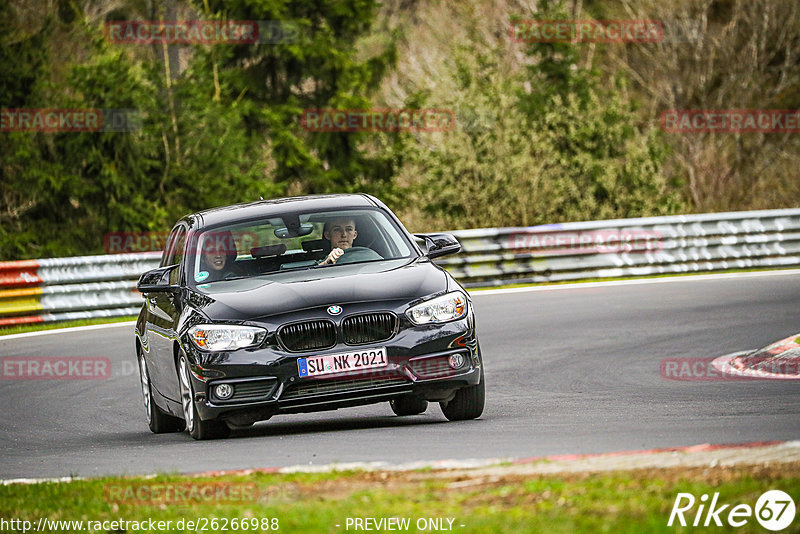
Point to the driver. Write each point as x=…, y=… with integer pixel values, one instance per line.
x=341, y=233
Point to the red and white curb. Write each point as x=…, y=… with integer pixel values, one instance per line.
x=777, y=361
x=724, y=364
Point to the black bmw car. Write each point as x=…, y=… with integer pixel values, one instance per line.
x=300, y=305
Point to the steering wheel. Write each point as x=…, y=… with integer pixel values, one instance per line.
x=357, y=254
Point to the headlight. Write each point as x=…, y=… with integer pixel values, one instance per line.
x=441, y=309
x=216, y=337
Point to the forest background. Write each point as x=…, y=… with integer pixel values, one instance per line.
x=544, y=132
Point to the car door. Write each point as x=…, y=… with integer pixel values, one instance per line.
x=163, y=311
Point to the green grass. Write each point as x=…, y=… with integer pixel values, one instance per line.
x=625, y=501
x=21, y=329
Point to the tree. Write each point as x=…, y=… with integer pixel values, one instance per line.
x=605, y=165
x=24, y=56
x=721, y=54
x=315, y=67
x=563, y=144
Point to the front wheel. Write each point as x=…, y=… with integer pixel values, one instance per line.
x=467, y=404
x=198, y=428
x=159, y=421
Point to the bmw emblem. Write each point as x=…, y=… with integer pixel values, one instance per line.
x=334, y=310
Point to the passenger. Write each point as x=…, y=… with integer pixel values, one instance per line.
x=219, y=255
x=341, y=233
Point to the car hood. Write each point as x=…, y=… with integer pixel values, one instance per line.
x=280, y=293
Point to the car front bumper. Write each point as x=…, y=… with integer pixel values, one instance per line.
x=267, y=382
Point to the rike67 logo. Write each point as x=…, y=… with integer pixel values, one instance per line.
x=774, y=511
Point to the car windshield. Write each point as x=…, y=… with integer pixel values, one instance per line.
x=295, y=241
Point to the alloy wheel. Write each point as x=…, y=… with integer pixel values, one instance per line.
x=145, y=382
x=186, y=394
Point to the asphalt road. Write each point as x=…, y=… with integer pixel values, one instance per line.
x=571, y=370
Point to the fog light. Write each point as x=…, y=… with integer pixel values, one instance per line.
x=456, y=360
x=223, y=391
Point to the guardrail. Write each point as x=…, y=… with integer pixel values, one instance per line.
x=627, y=247
x=65, y=289
x=59, y=289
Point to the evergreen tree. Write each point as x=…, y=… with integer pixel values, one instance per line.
x=314, y=66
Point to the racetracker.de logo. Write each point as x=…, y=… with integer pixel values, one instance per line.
x=587, y=31
x=56, y=368
x=705, y=370
x=378, y=120
x=220, y=242
x=125, y=242
x=69, y=120
x=612, y=241
x=158, y=493
x=200, y=32
x=730, y=120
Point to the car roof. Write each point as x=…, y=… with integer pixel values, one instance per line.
x=275, y=206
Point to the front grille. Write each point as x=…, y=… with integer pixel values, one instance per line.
x=369, y=328
x=250, y=390
x=431, y=367
x=253, y=390
x=333, y=385
x=310, y=335
x=436, y=367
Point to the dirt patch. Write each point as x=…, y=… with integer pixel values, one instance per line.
x=638, y=470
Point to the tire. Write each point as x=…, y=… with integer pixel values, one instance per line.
x=467, y=404
x=408, y=405
x=159, y=421
x=198, y=428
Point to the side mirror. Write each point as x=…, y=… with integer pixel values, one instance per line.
x=162, y=280
x=440, y=244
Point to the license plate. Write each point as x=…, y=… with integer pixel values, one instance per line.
x=339, y=363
